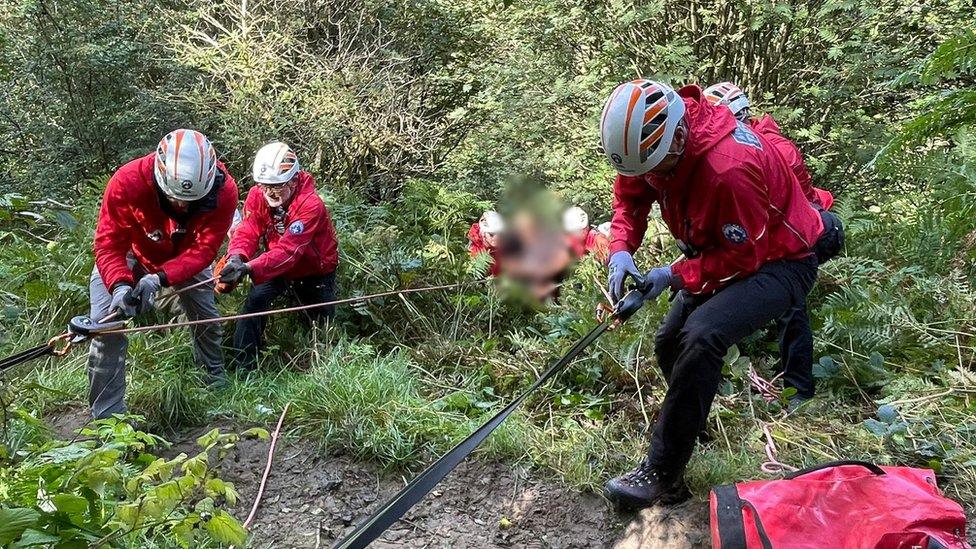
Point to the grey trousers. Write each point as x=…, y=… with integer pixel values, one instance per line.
x=106, y=356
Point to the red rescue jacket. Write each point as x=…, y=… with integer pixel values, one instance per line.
x=732, y=202
x=593, y=243
x=477, y=245
x=791, y=153
x=134, y=219
x=301, y=243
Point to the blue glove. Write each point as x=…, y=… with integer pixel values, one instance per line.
x=621, y=265
x=145, y=292
x=656, y=281
x=123, y=302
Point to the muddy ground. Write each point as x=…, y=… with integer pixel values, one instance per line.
x=312, y=500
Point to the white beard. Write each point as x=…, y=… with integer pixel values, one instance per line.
x=274, y=202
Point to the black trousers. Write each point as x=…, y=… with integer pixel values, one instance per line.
x=249, y=333
x=695, y=336
x=795, y=336
x=796, y=350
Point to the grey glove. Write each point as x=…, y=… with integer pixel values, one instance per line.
x=123, y=302
x=145, y=292
x=234, y=270
x=621, y=266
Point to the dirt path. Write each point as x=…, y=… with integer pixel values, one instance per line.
x=313, y=500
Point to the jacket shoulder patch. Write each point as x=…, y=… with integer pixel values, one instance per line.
x=745, y=136
x=296, y=227
x=735, y=233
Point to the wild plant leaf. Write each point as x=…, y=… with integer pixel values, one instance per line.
x=64, y=454
x=256, y=432
x=14, y=521
x=209, y=438
x=34, y=538
x=876, y=427
x=225, y=529
x=70, y=504
x=185, y=530
x=887, y=413
x=196, y=466
x=65, y=220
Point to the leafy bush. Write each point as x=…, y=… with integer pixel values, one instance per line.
x=106, y=487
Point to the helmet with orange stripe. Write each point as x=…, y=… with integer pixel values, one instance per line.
x=730, y=95
x=638, y=125
x=275, y=164
x=185, y=165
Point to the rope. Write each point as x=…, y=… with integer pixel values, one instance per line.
x=773, y=466
x=381, y=519
x=186, y=323
x=267, y=468
x=766, y=389
x=51, y=346
x=193, y=286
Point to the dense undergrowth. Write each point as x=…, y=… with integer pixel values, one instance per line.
x=412, y=116
x=401, y=380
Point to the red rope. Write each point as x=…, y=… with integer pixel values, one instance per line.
x=773, y=466
x=155, y=327
x=267, y=468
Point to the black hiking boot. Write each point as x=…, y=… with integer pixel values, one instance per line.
x=797, y=402
x=646, y=486
x=216, y=379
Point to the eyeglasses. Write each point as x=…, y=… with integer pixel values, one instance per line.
x=276, y=187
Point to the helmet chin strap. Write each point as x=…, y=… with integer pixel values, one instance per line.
x=680, y=154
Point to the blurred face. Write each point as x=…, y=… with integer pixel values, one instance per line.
x=579, y=233
x=277, y=195
x=178, y=205
x=491, y=239
x=676, y=151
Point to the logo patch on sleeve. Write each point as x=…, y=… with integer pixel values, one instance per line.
x=296, y=228
x=735, y=234
x=744, y=135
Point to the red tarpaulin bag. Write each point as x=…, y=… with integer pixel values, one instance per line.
x=843, y=504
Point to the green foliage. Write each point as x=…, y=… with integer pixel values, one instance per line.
x=369, y=99
x=105, y=487
x=414, y=116
x=79, y=79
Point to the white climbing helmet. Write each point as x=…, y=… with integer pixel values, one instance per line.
x=638, y=123
x=186, y=165
x=275, y=164
x=575, y=219
x=728, y=94
x=491, y=223
x=604, y=228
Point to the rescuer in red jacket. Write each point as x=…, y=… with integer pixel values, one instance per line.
x=731, y=96
x=283, y=212
x=162, y=221
x=796, y=337
x=582, y=238
x=746, y=229
x=484, y=237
